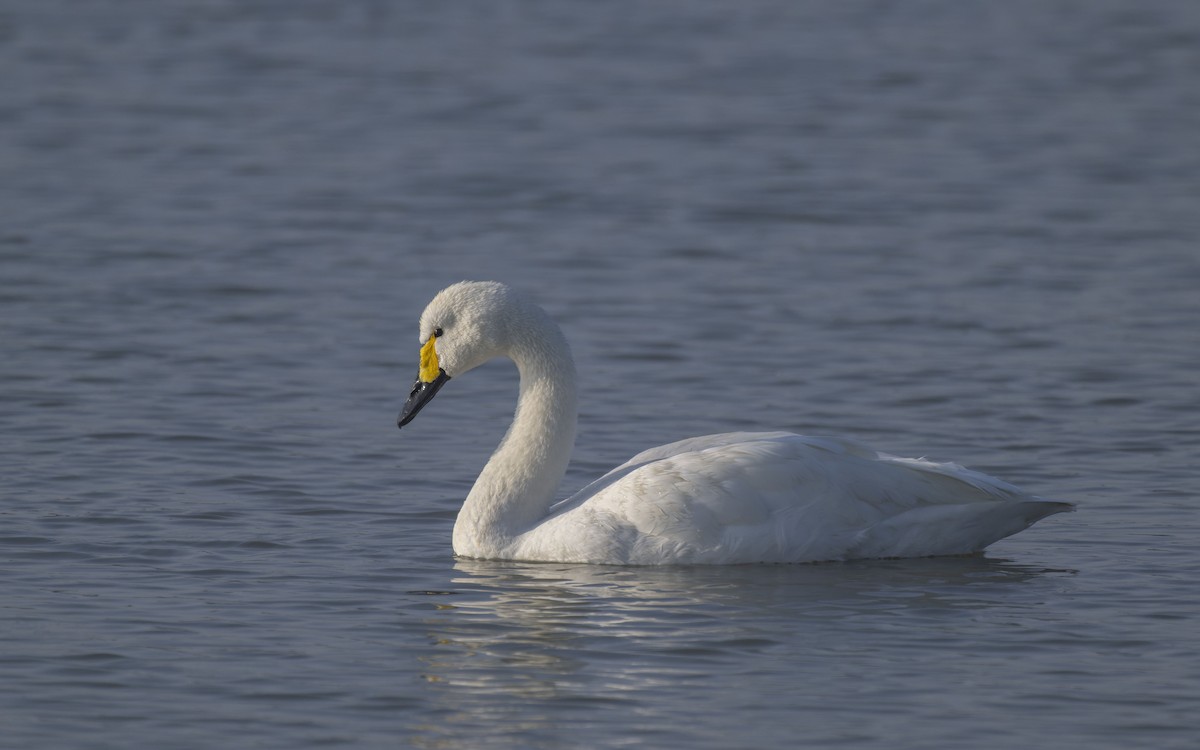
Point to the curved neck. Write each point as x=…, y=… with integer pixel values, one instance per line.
x=516, y=488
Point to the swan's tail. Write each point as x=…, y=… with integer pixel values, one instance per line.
x=1040, y=507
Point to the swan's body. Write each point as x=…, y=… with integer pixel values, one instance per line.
x=719, y=499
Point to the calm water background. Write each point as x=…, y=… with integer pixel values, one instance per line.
x=950, y=229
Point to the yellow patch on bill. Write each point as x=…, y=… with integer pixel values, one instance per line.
x=429, y=362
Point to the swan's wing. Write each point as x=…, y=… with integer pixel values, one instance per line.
x=660, y=453
x=776, y=496
x=947, y=509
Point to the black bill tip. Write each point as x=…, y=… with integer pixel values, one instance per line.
x=422, y=393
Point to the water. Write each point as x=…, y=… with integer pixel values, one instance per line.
x=947, y=229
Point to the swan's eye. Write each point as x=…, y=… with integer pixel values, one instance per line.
x=437, y=332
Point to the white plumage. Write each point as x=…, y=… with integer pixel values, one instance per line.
x=718, y=499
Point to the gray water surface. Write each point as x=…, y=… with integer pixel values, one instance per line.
x=957, y=230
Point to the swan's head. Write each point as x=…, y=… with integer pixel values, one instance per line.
x=464, y=326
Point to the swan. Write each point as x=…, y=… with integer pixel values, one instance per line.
x=745, y=497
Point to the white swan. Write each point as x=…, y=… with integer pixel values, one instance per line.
x=719, y=499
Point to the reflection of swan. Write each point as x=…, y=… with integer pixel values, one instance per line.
x=532, y=593
x=733, y=498
x=542, y=616
x=520, y=650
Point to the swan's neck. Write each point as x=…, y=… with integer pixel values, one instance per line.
x=515, y=490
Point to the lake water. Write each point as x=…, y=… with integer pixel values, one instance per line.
x=966, y=231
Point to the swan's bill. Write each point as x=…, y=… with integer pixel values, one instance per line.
x=430, y=367
x=422, y=393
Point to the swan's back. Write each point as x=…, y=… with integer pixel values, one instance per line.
x=779, y=497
